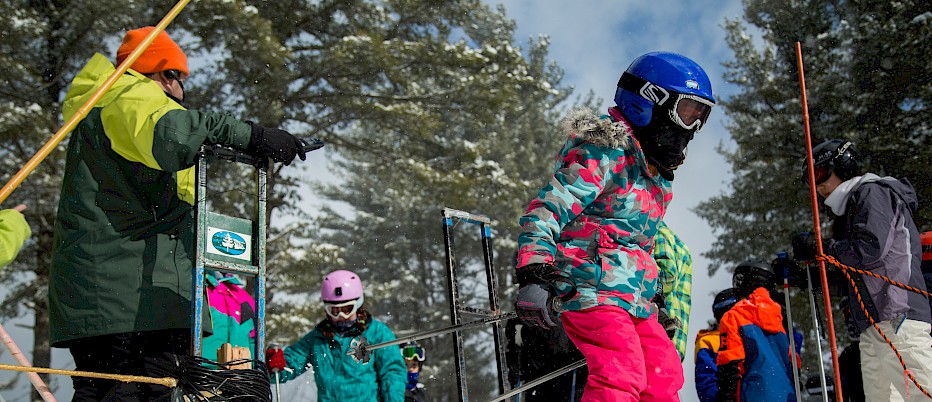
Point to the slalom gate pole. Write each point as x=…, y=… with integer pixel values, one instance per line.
x=46, y=149
x=541, y=380
x=815, y=323
x=792, y=332
x=17, y=354
x=830, y=323
x=365, y=349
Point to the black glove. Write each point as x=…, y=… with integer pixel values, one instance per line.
x=795, y=273
x=277, y=144
x=669, y=324
x=540, y=286
x=729, y=376
x=804, y=246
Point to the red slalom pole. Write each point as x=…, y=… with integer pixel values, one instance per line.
x=818, y=228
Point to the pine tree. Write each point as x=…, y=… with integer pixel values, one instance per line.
x=868, y=81
x=488, y=163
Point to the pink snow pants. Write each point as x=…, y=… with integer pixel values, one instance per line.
x=630, y=359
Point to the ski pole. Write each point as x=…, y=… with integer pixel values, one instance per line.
x=573, y=388
x=817, y=228
x=541, y=380
x=360, y=350
x=278, y=390
x=789, y=319
x=46, y=149
x=815, y=323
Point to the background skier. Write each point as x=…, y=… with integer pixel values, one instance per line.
x=339, y=377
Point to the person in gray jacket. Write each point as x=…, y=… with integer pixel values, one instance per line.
x=879, y=236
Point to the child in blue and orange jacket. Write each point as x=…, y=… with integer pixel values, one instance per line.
x=754, y=362
x=708, y=342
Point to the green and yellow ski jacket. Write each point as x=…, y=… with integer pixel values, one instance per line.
x=124, y=237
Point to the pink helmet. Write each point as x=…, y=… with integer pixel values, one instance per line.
x=341, y=286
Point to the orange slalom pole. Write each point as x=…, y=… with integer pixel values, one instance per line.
x=46, y=149
x=818, y=229
x=17, y=354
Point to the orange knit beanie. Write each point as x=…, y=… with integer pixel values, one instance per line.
x=163, y=54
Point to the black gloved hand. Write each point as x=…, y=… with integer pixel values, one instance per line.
x=795, y=273
x=540, y=285
x=277, y=144
x=804, y=246
x=669, y=324
x=534, y=306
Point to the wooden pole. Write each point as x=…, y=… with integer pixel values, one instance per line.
x=46, y=149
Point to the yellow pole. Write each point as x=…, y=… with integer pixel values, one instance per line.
x=86, y=108
x=166, y=381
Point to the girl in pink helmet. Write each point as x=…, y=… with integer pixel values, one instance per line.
x=338, y=376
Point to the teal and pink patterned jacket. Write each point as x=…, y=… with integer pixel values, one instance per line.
x=596, y=218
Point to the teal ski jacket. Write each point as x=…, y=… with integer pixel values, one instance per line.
x=339, y=377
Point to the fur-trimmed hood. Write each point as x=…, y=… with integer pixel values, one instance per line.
x=604, y=131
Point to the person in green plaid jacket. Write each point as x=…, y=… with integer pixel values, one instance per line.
x=674, y=287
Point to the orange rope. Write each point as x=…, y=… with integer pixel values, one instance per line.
x=831, y=260
x=844, y=269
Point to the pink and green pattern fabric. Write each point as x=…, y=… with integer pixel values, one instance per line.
x=596, y=218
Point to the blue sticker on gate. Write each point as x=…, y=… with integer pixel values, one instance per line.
x=229, y=243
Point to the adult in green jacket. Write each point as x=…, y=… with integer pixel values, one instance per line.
x=339, y=376
x=122, y=260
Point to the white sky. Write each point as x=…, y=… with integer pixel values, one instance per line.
x=594, y=41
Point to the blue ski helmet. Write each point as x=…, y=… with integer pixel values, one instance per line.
x=662, y=78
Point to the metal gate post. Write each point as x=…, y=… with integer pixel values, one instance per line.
x=235, y=245
x=456, y=306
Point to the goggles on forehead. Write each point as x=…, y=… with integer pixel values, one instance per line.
x=413, y=352
x=690, y=112
x=343, y=310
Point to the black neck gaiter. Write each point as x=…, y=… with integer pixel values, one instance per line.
x=663, y=142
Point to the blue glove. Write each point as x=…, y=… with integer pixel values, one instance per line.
x=540, y=286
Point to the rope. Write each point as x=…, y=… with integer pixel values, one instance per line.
x=167, y=382
x=857, y=293
x=831, y=260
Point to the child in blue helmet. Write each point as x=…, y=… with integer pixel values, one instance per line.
x=586, y=239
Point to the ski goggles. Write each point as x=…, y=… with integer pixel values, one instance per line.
x=343, y=310
x=413, y=352
x=822, y=173
x=689, y=112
